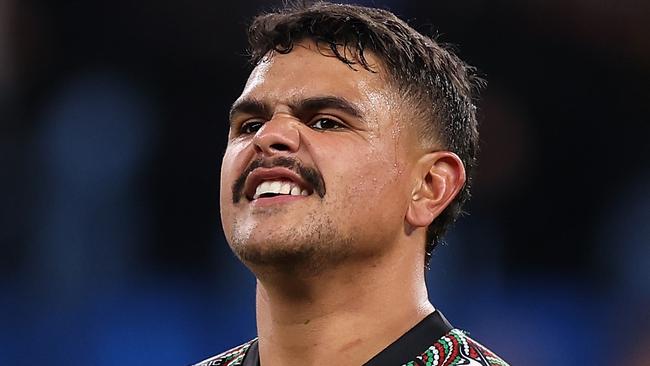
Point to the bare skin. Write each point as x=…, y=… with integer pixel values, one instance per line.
x=342, y=318
x=340, y=274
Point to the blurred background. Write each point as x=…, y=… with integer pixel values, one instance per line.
x=113, y=119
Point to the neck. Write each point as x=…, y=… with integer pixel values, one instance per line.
x=343, y=316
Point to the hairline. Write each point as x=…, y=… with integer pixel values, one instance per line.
x=427, y=138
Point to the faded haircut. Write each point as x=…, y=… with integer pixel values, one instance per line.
x=439, y=86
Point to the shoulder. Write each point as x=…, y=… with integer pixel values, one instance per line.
x=231, y=357
x=456, y=348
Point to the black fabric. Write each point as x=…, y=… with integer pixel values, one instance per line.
x=414, y=342
x=252, y=357
x=404, y=349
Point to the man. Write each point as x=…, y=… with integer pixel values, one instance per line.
x=349, y=154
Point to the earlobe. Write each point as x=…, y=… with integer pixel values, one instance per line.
x=441, y=175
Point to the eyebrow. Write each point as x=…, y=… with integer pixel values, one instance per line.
x=302, y=106
x=326, y=102
x=249, y=106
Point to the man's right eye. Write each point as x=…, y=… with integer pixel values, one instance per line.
x=250, y=128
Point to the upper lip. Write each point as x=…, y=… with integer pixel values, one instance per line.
x=260, y=175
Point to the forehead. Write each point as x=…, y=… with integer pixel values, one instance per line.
x=308, y=71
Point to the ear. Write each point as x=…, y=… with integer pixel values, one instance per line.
x=440, y=176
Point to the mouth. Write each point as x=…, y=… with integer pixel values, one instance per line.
x=274, y=182
x=276, y=188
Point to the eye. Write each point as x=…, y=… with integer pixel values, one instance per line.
x=250, y=128
x=326, y=124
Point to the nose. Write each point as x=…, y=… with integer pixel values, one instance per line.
x=277, y=136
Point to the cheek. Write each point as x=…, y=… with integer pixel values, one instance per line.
x=373, y=184
x=226, y=172
x=372, y=195
x=231, y=167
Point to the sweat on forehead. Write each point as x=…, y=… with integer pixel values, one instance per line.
x=347, y=55
x=309, y=77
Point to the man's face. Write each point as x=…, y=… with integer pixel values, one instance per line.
x=318, y=165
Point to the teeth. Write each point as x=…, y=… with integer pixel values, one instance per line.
x=285, y=188
x=275, y=186
x=279, y=187
x=262, y=188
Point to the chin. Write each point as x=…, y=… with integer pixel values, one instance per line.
x=292, y=252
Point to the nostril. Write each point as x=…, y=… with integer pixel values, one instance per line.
x=280, y=147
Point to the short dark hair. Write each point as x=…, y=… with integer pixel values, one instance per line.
x=438, y=84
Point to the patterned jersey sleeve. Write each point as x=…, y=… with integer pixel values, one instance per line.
x=232, y=357
x=456, y=348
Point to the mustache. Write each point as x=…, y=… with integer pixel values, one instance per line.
x=308, y=174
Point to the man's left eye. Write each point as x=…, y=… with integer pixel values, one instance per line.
x=326, y=124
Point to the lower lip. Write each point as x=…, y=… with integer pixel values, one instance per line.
x=269, y=201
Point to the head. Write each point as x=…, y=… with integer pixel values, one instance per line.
x=370, y=122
